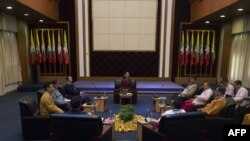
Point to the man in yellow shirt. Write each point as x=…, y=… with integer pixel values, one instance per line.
x=216, y=106
x=47, y=105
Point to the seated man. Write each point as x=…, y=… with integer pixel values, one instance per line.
x=188, y=92
x=75, y=105
x=217, y=105
x=239, y=98
x=70, y=89
x=200, y=100
x=177, y=109
x=47, y=105
x=57, y=96
x=229, y=88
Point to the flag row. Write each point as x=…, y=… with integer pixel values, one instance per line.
x=197, y=50
x=44, y=47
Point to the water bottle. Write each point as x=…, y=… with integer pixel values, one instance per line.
x=92, y=110
x=110, y=114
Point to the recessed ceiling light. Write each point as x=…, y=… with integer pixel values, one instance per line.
x=207, y=22
x=26, y=14
x=40, y=21
x=222, y=16
x=9, y=7
x=240, y=9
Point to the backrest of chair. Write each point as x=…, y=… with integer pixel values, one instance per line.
x=61, y=89
x=133, y=84
x=39, y=95
x=228, y=110
x=118, y=83
x=75, y=126
x=28, y=105
x=199, y=90
x=180, y=126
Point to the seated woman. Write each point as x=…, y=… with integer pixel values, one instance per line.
x=123, y=86
x=126, y=83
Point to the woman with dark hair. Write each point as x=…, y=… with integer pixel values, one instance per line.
x=126, y=82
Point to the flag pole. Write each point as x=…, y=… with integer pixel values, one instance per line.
x=201, y=47
x=50, y=70
x=211, y=69
x=55, y=69
x=44, y=63
x=191, y=54
x=207, y=43
x=185, y=67
x=206, y=71
x=197, y=44
x=179, y=56
x=212, y=59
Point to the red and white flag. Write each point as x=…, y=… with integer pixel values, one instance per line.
x=65, y=49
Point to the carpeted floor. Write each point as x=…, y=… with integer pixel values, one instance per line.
x=10, y=125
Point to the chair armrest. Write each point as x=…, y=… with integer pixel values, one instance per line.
x=35, y=127
x=149, y=134
x=106, y=135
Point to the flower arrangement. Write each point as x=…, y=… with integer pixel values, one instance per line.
x=126, y=112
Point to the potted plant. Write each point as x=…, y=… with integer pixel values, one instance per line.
x=126, y=112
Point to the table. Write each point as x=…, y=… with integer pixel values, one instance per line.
x=126, y=96
x=156, y=102
x=89, y=108
x=101, y=103
x=141, y=123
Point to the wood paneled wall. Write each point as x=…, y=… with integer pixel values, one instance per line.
x=202, y=8
x=227, y=45
x=48, y=8
x=23, y=47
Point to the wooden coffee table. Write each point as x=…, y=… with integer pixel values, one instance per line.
x=126, y=96
x=101, y=103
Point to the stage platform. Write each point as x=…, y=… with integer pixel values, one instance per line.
x=143, y=87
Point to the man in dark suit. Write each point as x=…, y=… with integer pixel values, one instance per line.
x=71, y=90
x=75, y=106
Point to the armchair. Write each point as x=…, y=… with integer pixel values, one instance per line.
x=195, y=126
x=40, y=92
x=34, y=127
x=118, y=87
x=65, y=127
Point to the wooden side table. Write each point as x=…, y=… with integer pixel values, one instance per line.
x=101, y=103
x=156, y=102
x=126, y=96
x=89, y=108
x=141, y=123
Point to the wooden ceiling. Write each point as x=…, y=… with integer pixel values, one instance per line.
x=230, y=12
x=19, y=10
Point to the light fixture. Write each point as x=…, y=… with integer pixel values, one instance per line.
x=240, y=9
x=222, y=16
x=207, y=22
x=9, y=7
x=26, y=14
x=41, y=21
